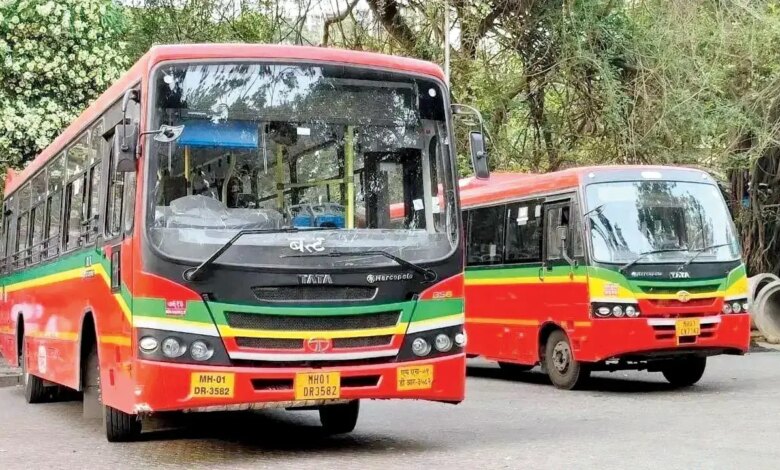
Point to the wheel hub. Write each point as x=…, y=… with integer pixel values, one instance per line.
x=561, y=357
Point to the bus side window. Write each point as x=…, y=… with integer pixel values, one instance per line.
x=74, y=203
x=566, y=215
x=93, y=200
x=128, y=208
x=524, y=232
x=53, y=219
x=114, y=196
x=486, y=236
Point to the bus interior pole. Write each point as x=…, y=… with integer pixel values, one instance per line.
x=279, y=177
x=349, y=181
x=187, y=169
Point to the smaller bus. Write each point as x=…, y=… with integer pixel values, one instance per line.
x=603, y=268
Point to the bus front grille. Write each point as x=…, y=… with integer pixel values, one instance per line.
x=314, y=293
x=259, y=321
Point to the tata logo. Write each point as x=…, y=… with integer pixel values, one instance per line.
x=318, y=345
x=683, y=296
x=317, y=279
x=374, y=278
x=680, y=275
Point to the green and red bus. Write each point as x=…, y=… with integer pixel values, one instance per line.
x=603, y=268
x=151, y=260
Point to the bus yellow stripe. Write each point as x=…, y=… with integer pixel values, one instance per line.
x=503, y=321
x=60, y=335
x=115, y=340
x=45, y=280
x=500, y=281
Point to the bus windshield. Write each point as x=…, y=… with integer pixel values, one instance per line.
x=287, y=148
x=659, y=221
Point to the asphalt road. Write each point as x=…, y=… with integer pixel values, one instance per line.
x=626, y=420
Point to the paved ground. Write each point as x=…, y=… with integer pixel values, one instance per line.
x=626, y=420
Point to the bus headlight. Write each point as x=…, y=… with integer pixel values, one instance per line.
x=460, y=339
x=736, y=307
x=603, y=311
x=201, y=351
x=420, y=347
x=617, y=311
x=632, y=312
x=726, y=308
x=443, y=342
x=148, y=344
x=172, y=347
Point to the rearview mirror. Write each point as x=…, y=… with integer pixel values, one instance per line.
x=479, y=155
x=125, y=139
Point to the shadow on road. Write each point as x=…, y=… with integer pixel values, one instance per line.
x=597, y=383
x=268, y=431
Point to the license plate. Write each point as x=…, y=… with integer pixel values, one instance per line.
x=209, y=385
x=687, y=327
x=317, y=385
x=414, y=377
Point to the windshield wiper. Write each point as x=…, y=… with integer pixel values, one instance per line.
x=647, y=253
x=700, y=251
x=429, y=274
x=192, y=274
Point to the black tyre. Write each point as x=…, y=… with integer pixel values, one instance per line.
x=119, y=426
x=340, y=419
x=684, y=372
x=511, y=368
x=564, y=371
x=34, y=389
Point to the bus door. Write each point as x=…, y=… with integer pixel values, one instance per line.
x=564, y=287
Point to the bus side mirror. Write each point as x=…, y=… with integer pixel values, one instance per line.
x=125, y=141
x=479, y=155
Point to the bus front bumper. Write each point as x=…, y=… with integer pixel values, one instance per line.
x=639, y=338
x=164, y=386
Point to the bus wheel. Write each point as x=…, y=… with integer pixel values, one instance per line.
x=513, y=369
x=684, y=372
x=565, y=372
x=119, y=426
x=340, y=419
x=34, y=389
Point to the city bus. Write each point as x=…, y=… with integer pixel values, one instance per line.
x=150, y=260
x=603, y=268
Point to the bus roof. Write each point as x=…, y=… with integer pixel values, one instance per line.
x=214, y=52
x=508, y=186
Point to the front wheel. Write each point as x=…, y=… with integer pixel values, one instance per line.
x=340, y=419
x=564, y=371
x=684, y=372
x=34, y=388
x=119, y=426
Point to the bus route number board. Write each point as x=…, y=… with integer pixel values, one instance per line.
x=317, y=385
x=687, y=327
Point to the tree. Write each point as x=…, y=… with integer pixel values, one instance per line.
x=58, y=57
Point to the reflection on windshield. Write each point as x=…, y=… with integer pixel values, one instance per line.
x=288, y=146
x=659, y=221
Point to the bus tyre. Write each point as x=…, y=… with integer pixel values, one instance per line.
x=119, y=426
x=684, y=372
x=511, y=368
x=564, y=371
x=34, y=389
x=340, y=419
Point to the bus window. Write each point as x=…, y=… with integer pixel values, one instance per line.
x=116, y=190
x=74, y=199
x=524, y=232
x=555, y=216
x=78, y=156
x=52, y=224
x=486, y=236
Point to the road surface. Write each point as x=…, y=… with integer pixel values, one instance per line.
x=624, y=420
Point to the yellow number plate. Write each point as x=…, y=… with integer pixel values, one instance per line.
x=687, y=327
x=317, y=385
x=415, y=377
x=208, y=385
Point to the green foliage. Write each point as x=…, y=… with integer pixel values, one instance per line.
x=57, y=57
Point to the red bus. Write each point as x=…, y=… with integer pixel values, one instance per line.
x=152, y=262
x=603, y=268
